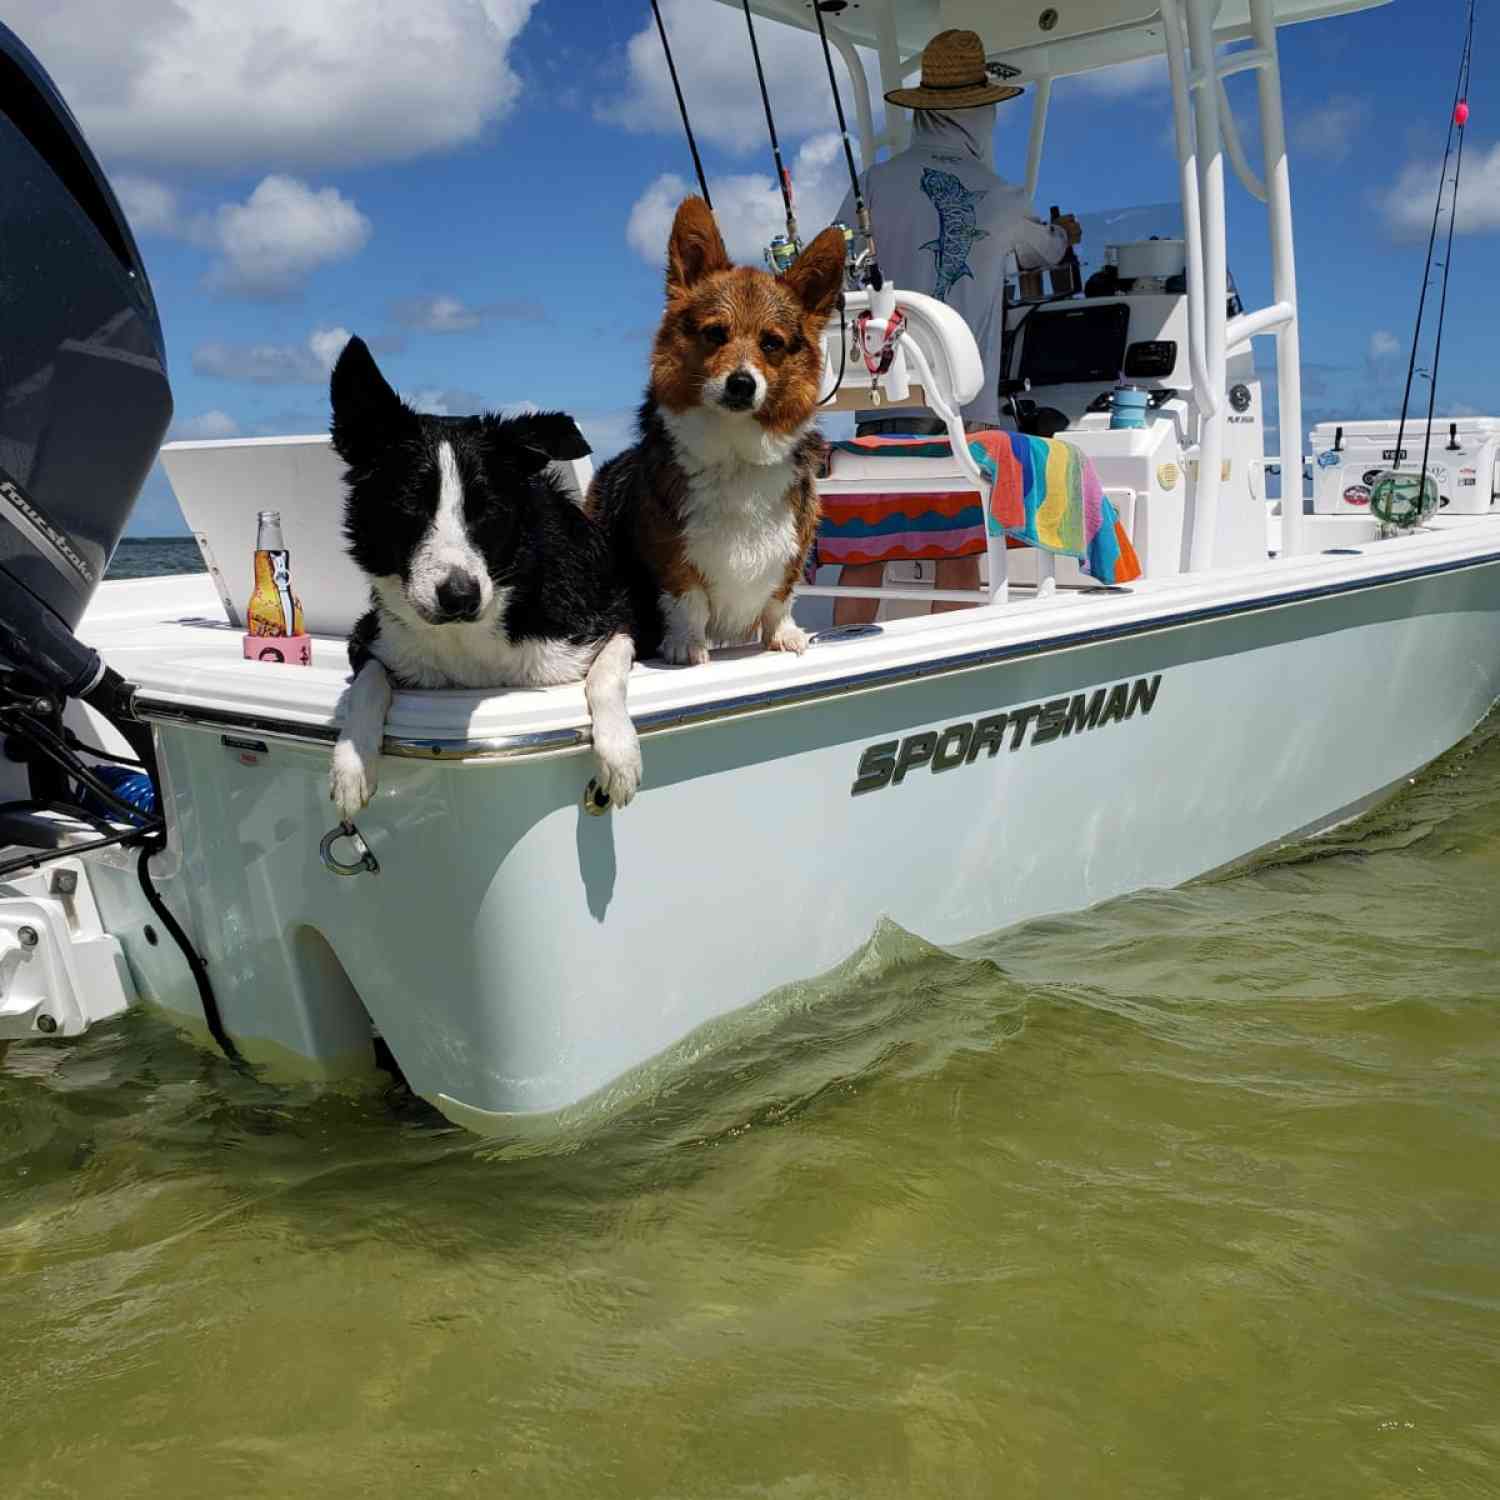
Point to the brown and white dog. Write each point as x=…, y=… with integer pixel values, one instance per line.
x=713, y=511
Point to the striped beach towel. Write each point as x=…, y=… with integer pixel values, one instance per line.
x=1042, y=493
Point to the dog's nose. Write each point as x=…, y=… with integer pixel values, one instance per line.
x=458, y=596
x=739, y=390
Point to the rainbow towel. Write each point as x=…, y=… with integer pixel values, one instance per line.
x=1043, y=493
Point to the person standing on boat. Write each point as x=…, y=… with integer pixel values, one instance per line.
x=946, y=223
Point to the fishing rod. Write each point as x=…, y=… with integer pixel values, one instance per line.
x=666, y=47
x=1460, y=120
x=783, y=251
x=1384, y=499
x=867, y=262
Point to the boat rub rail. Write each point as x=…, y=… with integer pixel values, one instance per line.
x=574, y=738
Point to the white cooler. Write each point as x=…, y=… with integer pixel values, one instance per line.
x=1464, y=460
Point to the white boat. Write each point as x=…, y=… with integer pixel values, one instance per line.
x=1057, y=745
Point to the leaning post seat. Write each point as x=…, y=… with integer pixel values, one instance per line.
x=935, y=363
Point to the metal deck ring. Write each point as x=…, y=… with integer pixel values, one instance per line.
x=365, y=862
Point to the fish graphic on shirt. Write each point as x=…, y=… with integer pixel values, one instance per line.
x=957, y=229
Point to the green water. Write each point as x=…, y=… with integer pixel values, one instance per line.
x=1191, y=1196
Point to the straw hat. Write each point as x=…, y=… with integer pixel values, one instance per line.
x=953, y=76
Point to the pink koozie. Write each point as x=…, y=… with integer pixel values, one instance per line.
x=288, y=650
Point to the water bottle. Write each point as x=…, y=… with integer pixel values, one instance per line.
x=1127, y=406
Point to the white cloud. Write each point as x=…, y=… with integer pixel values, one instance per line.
x=1120, y=81
x=718, y=80
x=1330, y=132
x=279, y=235
x=327, y=344
x=150, y=206
x=447, y=403
x=210, y=424
x=607, y=432
x=1408, y=205
x=748, y=207
x=436, y=315
x=1384, y=344
x=332, y=82
x=444, y=314
x=307, y=363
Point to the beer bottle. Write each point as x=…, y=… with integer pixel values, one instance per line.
x=274, y=609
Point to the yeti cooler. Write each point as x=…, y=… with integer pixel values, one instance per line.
x=1463, y=457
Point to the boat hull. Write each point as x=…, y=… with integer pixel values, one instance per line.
x=518, y=955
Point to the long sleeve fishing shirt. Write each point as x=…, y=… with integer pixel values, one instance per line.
x=945, y=223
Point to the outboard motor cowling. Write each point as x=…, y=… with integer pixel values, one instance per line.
x=84, y=399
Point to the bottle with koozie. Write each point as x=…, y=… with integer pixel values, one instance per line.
x=1067, y=274
x=274, y=630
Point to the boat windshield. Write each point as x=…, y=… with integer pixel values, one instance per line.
x=1122, y=226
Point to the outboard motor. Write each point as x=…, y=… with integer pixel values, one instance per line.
x=84, y=404
x=84, y=399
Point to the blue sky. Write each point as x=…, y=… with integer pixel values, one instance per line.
x=481, y=188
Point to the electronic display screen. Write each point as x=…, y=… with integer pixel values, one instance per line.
x=1075, y=345
x=1152, y=360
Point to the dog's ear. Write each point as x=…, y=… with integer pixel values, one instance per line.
x=536, y=439
x=696, y=248
x=817, y=275
x=367, y=414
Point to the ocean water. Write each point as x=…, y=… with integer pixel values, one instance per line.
x=1196, y=1194
x=151, y=556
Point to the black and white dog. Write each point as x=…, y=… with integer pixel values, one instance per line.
x=483, y=573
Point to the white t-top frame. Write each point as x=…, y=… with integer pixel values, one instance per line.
x=1192, y=34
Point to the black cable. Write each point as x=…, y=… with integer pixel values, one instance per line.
x=49, y=856
x=861, y=210
x=194, y=962
x=682, y=105
x=1437, y=209
x=1466, y=69
x=843, y=355
x=783, y=177
x=55, y=748
x=74, y=743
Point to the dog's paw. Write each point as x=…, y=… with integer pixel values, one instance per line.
x=351, y=781
x=685, y=651
x=787, y=637
x=618, y=753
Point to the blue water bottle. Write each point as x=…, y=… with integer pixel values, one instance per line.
x=1127, y=406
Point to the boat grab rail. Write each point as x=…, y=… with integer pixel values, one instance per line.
x=1252, y=325
x=938, y=348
